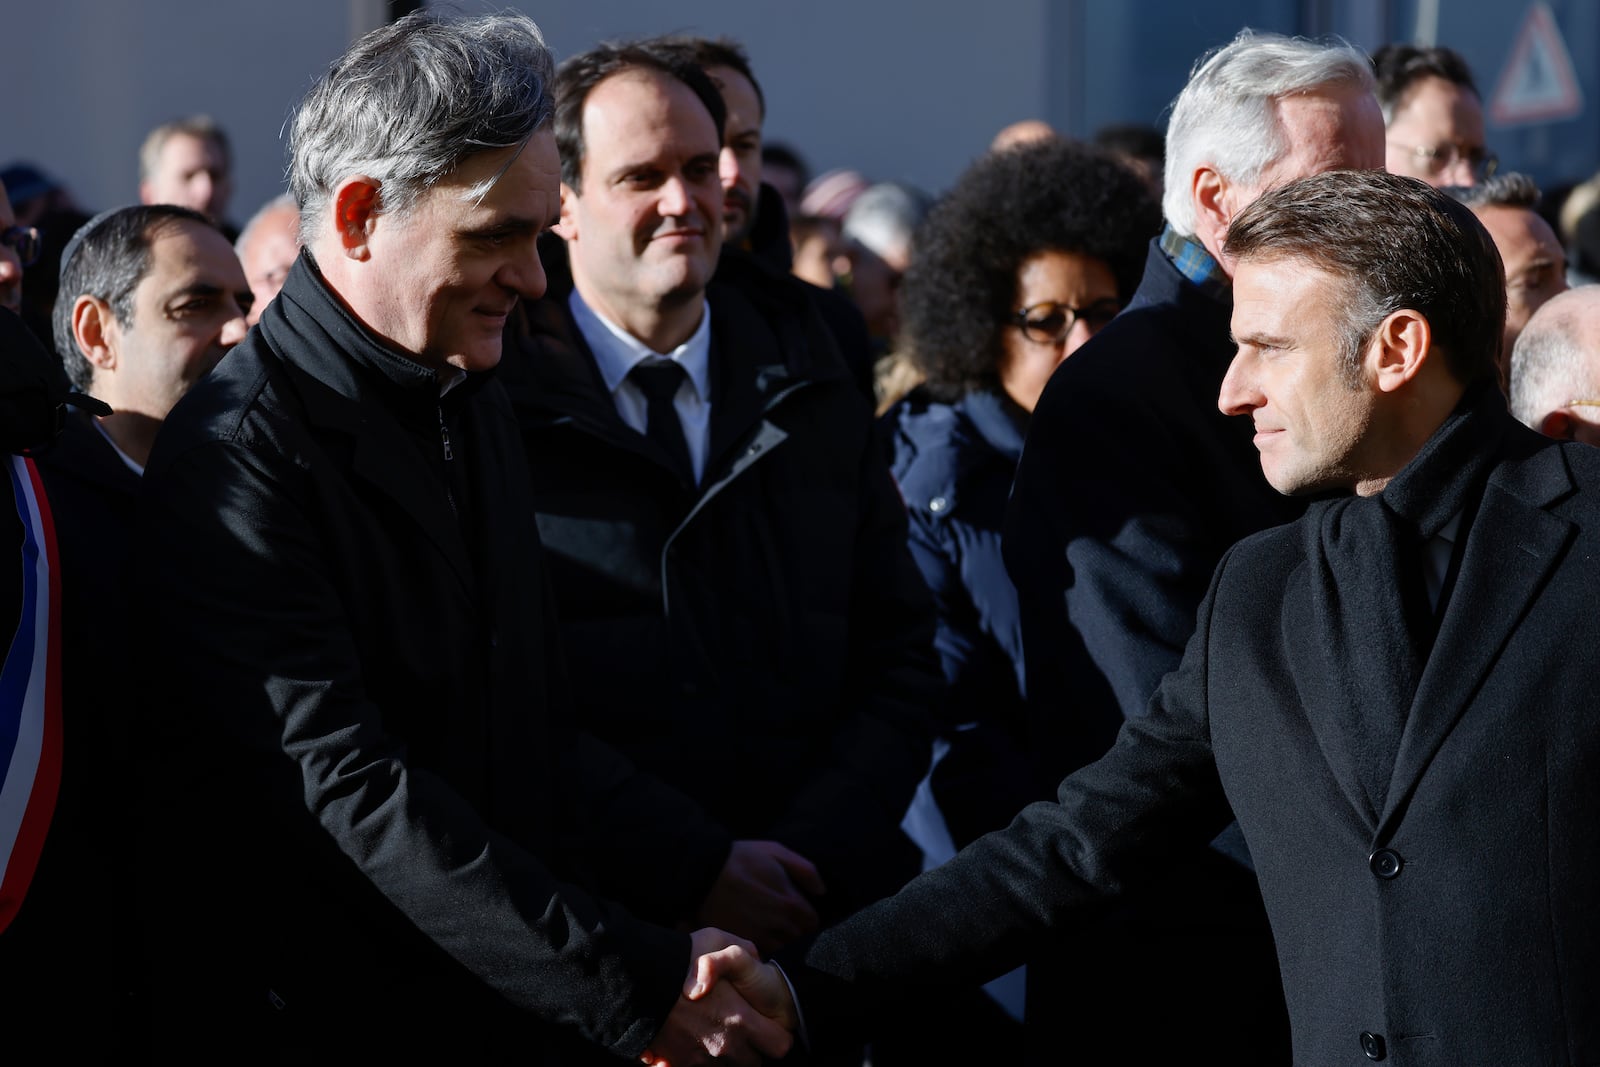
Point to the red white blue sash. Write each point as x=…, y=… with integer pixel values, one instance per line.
x=30, y=695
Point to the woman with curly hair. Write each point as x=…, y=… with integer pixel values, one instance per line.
x=1034, y=249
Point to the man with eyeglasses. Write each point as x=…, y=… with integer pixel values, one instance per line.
x=1433, y=115
x=1130, y=488
x=1535, y=263
x=19, y=247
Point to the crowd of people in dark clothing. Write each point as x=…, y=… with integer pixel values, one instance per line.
x=564, y=583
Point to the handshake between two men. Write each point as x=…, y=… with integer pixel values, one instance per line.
x=734, y=1008
x=762, y=891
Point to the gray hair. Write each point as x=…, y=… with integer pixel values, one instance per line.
x=1224, y=115
x=1550, y=357
x=1503, y=190
x=281, y=202
x=885, y=217
x=107, y=259
x=408, y=102
x=200, y=127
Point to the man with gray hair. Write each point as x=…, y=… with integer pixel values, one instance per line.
x=1555, y=368
x=188, y=162
x=151, y=300
x=877, y=232
x=367, y=831
x=1535, y=262
x=268, y=246
x=1130, y=488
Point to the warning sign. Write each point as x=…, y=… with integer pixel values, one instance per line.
x=1537, y=84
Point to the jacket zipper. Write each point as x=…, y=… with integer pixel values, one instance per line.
x=449, y=455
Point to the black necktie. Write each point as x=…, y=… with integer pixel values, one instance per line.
x=659, y=380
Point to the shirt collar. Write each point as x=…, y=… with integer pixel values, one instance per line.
x=616, y=351
x=132, y=464
x=1191, y=260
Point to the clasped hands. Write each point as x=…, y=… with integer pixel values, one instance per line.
x=734, y=1008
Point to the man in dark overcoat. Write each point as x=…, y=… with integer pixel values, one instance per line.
x=1391, y=694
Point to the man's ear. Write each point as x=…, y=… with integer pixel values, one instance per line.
x=1208, y=189
x=94, y=328
x=356, y=204
x=1559, y=424
x=1400, y=347
x=567, y=226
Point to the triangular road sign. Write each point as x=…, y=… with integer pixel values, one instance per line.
x=1537, y=84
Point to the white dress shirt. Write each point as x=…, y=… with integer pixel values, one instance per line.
x=616, y=352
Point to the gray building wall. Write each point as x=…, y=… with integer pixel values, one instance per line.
x=909, y=91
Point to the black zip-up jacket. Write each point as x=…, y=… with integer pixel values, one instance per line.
x=368, y=817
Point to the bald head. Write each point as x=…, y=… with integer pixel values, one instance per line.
x=1555, y=367
x=1018, y=133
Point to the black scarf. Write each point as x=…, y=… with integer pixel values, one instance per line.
x=1370, y=609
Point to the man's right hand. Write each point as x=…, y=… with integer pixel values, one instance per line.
x=762, y=985
x=717, y=1025
x=763, y=893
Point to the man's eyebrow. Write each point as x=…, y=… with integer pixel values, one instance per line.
x=503, y=227
x=195, y=289
x=1257, y=338
x=244, y=297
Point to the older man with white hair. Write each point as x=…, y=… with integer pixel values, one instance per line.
x=1555, y=368
x=1130, y=488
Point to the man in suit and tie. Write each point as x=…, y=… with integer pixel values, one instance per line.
x=1391, y=694
x=740, y=611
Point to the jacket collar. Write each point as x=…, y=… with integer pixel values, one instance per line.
x=309, y=327
x=353, y=384
x=766, y=341
x=1512, y=544
x=998, y=420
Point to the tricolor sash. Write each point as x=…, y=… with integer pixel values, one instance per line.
x=30, y=695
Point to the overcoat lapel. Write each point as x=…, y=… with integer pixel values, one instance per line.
x=1317, y=681
x=1511, y=549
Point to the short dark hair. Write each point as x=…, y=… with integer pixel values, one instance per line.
x=1503, y=190
x=578, y=75
x=961, y=286
x=777, y=153
x=1134, y=139
x=107, y=259
x=1398, y=67
x=710, y=52
x=1396, y=243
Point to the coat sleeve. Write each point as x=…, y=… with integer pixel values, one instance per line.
x=846, y=818
x=1155, y=793
x=271, y=680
